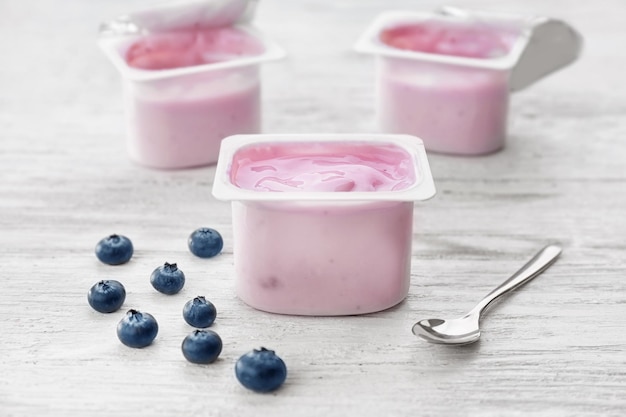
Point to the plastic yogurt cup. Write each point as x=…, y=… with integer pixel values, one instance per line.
x=322, y=224
x=446, y=76
x=191, y=77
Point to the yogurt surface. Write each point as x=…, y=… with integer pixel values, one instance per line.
x=184, y=48
x=329, y=167
x=451, y=38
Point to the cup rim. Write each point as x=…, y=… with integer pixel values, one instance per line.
x=111, y=45
x=369, y=42
x=422, y=189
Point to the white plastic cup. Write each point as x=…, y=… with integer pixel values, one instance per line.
x=176, y=118
x=321, y=252
x=460, y=104
x=459, y=110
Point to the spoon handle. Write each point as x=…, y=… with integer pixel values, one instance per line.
x=539, y=263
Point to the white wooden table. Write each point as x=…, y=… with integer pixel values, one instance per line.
x=557, y=347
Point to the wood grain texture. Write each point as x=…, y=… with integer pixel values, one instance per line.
x=555, y=348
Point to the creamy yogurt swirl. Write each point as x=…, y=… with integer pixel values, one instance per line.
x=322, y=167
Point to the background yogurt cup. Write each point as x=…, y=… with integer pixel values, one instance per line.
x=187, y=83
x=446, y=76
x=322, y=224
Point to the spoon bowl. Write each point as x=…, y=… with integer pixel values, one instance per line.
x=466, y=329
x=463, y=330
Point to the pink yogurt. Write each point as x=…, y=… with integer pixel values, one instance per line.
x=447, y=38
x=186, y=48
x=178, y=120
x=329, y=168
x=321, y=227
x=446, y=75
x=182, y=126
x=443, y=79
x=453, y=109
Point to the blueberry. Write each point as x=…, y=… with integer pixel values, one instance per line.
x=106, y=296
x=261, y=370
x=167, y=279
x=202, y=346
x=205, y=242
x=114, y=250
x=199, y=312
x=137, y=329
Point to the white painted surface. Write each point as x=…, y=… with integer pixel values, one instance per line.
x=555, y=348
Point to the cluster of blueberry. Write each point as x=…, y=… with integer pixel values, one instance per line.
x=260, y=370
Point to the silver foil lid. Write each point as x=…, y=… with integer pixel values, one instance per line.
x=551, y=44
x=176, y=15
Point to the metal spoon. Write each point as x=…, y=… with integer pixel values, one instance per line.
x=465, y=330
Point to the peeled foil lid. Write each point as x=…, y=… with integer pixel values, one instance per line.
x=551, y=45
x=177, y=15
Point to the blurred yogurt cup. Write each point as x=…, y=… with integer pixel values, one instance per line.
x=322, y=224
x=190, y=72
x=446, y=76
